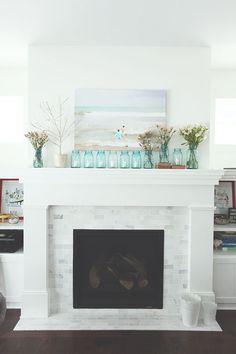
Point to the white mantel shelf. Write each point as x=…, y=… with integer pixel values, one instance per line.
x=106, y=187
x=121, y=176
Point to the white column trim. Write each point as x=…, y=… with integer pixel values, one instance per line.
x=200, y=269
x=35, y=297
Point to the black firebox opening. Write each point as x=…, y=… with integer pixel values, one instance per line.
x=118, y=268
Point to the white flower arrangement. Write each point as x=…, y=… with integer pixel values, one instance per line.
x=164, y=134
x=194, y=134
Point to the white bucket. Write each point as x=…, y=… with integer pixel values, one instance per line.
x=190, y=308
x=209, y=312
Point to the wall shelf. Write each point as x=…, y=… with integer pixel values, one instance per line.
x=219, y=254
x=7, y=226
x=4, y=255
x=227, y=227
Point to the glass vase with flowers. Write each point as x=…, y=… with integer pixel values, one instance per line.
x=193, y=136
x=146, y=143
x=38, y=140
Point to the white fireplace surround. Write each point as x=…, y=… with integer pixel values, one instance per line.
x=82, y=187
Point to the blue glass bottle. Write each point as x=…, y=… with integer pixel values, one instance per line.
x=136, y=159
x=88, y=159
x=101, y=159
x=124, y=159
x=148, y=161
x=177, y=157
x=38, y=160
x=192, y=157
x=75, y=159
x=164, y=153
x=112, y=159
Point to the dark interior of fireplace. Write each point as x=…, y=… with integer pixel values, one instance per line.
x=118, y=268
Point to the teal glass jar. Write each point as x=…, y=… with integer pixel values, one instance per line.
x=177, y=157
x=75, y=159
x=38, y=159
x=124, y=159
x=192, y=157
x=164, y=153
x=136, y=159
x=112, y=159
x=101, y=159
x=148, y=160
x=88, y=159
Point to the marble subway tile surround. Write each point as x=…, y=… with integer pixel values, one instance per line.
x=63, y=219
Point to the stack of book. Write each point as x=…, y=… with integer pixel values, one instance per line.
x=228, y=240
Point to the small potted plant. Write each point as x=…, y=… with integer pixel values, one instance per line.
x=38, y=141
x=193, y=136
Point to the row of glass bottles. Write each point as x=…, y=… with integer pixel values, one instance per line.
x=191, y=157
x=124, y=159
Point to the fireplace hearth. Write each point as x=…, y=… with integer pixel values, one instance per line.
x=118, y=268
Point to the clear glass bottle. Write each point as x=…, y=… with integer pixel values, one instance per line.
x=177, y=157
x=112, y=159
x=136, y=159
x=75, y=159
x=101, y=159
x=148, y=161
x=124, y=159
x=88, y=159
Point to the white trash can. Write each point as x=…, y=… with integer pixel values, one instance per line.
x=209, y=312
x=190, y=308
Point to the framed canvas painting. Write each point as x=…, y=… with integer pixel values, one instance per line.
x=112, y=119
x=11, y=197
x=224, y=197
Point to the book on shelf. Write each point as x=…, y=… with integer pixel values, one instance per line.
x=225, y=235
x=228, y=244
x=231, y=249
x=228, y=241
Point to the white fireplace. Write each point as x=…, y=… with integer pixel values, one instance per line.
x=59, y=200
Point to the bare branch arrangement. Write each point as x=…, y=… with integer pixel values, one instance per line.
x=57, y=124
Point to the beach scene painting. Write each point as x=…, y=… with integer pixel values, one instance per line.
x=112, y=119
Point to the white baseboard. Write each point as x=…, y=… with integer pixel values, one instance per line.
x=226, y=306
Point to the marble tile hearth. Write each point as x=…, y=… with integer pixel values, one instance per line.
x=109, y=319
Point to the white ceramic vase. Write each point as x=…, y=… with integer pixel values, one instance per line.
x=60, y=160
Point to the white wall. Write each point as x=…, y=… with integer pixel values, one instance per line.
x=14, y=82
x=183, y=72
x=223, y=85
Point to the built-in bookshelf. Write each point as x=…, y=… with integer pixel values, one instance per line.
x=224, y=268
x=224, y=220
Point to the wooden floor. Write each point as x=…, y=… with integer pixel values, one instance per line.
x=119, y=342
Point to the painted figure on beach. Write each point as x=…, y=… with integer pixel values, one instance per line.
x=120, y=133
